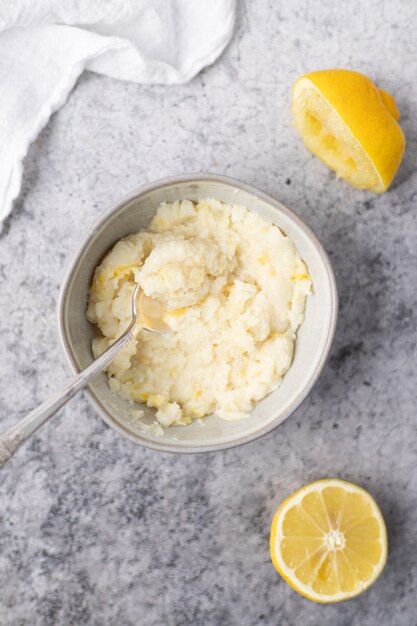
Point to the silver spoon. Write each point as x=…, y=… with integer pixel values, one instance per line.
x=147, y=313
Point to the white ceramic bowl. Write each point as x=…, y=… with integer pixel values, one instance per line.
x=134, y=213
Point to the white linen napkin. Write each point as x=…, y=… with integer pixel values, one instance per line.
x=46, y=44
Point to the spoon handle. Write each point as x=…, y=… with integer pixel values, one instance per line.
x=12, y=438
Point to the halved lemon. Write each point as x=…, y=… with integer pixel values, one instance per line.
x=351, y=125
x=328, y=540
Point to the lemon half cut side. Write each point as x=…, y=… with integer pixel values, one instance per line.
x=350, y=125
x=329, y=541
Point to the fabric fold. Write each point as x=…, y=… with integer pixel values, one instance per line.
x=44, y=47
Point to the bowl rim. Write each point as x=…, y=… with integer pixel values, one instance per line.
x=193, y=178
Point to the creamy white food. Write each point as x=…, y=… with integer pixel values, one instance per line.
x=236, y=289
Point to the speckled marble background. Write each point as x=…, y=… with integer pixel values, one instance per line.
x=97, y=531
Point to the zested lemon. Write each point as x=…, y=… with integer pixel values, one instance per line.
x=351, y=125
x=328, y=540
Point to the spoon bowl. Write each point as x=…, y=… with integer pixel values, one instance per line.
x=151, y=313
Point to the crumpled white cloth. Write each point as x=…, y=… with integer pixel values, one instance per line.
x=46, y=44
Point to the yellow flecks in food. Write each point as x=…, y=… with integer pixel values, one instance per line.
x=300, y=277
x=143, y=396
x=226, y=290
x=145, y=360
x=123, y=271
x=100, y=280
x=156, y=401
x=265, y=260
x=186, y=419
x=159, y=222
x=275, y=335
x=177, y=312
x=164, y=275
x=198, y=393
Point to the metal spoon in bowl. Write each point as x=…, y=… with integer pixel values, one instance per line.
x=147, y=313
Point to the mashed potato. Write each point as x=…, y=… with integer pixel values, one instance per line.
x=235, y=288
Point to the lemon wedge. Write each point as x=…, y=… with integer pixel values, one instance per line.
x=328, y=540
x=351, y=125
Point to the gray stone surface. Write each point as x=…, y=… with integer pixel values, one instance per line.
x=97, y=531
